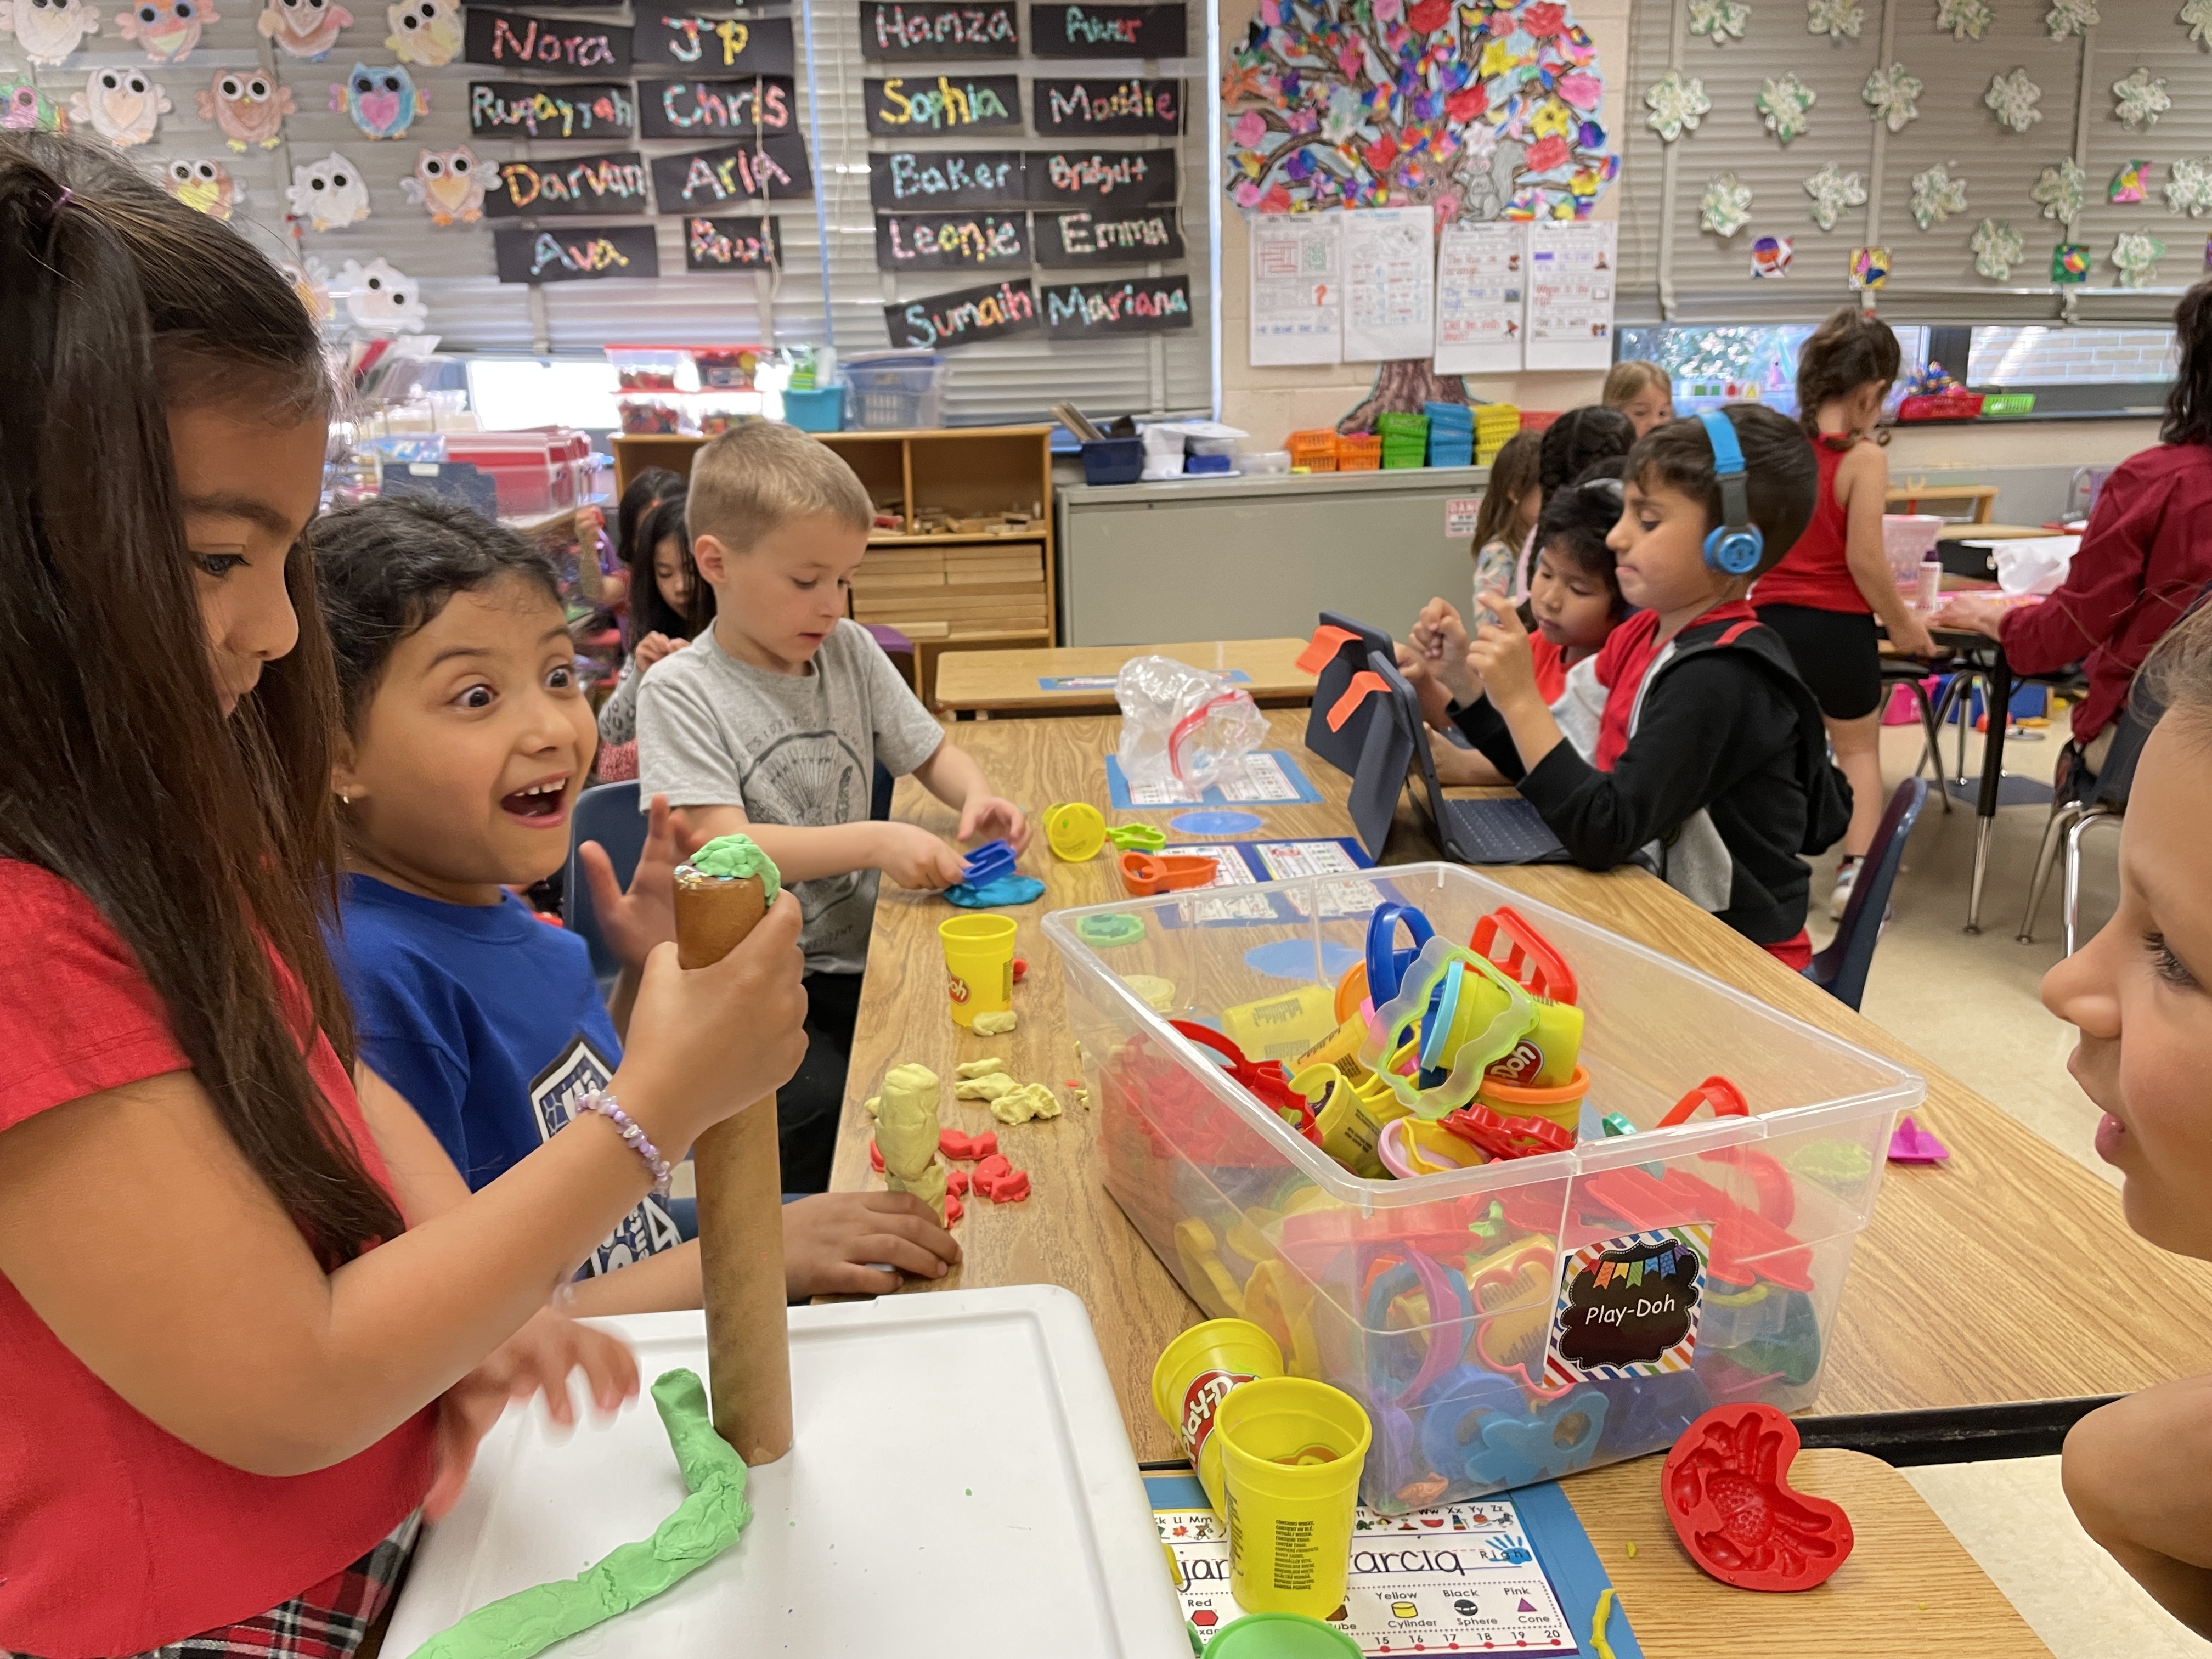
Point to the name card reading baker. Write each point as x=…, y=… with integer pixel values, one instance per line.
x=1125, y=178
x=597, y=109
x=911, y=30
x=707, y=109
x=1136, y=237
x=770, y=170
x=1065, y=30
x=512, y=40
x=716, y=46
x=904, y=106
x=1146, y=305
x=731, y=245
x=570, y=186
x=964, y=317
x=946, y=178
x=955, y=241
x=1108, y=107
x=574, y=256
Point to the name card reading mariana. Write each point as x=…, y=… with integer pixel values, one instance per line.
x=576, y=256
x=1145, y=305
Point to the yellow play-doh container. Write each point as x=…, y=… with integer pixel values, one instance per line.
x=1562, y=1105
x=1075, y=830
x=1195, y=1373
x=1291, y=1452
x=1547, y=1056
x=979, y=965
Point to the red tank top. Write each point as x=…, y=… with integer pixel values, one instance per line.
x=1815, y=572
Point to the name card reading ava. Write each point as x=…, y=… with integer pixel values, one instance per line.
x=574, y=256
x=904, y=104
x=1064, y=30
x=574, y=184
x=916, y=29
x=731, y=245
x=513, y=40
x=1119, y=107
x=1144, y=305
x=768, y=170
x=957, y=241
x=707, y=109
x=964, y=317
x=591, y=109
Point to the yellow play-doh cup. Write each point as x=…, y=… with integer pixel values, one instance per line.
x=1546, y=1056
x=979, y=965
x=1195, y=1373
x=1562, y=1105
x=1291, y=1451
x=1075, y=830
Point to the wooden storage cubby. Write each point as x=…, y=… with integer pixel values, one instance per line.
x=952, y=590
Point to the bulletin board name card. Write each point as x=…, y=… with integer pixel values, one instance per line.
x=1143, y=305
x=753, y=45
x=576, y=256
x=592, y=109
x=1108, y=108
x=904, y=105
x=915, y=30
x=964, y=317
x=715, y=244
x=910, y=179
x=694, y=109
x=767, y=170
x=508, y=39
x=1084, y=31
x=954, y=241
x=572, y=185
x=1137, y=236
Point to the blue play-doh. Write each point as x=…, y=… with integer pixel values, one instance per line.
x=990, y=895
x=1456, y=1403
x=1556, y=1439
x=1386, y=964
x=1293, y=959
x=1217, y=823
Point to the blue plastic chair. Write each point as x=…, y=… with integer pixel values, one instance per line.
x=607, y=814
x=1841, y=970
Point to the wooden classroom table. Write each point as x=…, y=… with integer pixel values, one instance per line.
x=982, y=682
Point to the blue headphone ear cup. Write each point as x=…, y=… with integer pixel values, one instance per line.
x=1734, y=550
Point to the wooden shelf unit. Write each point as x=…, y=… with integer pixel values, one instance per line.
x=957, y=591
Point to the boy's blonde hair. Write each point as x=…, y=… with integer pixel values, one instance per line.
x=754, y=477
x=1630, y=379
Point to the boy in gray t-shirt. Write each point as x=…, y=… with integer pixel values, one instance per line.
x=771, y=724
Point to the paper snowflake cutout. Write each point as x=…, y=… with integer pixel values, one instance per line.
x=1785, y=103
x=2189, y=187
x=1834, y=18
x=1676, y=105
x=1723, y=20
x=2068, y=17
x=1892, y=94
x=1997, y=249
x=1726, y=207
x=1832, y=190
x=1936, y=196
x=2011, y=99
x=2138, y=100
x=2137, y=253
x=2198, y=13
x=1969, y=19
x=2058, y=191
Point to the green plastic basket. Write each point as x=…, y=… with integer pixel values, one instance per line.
x=2008, y=403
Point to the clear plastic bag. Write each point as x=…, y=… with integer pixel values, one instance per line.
x=1182, y=726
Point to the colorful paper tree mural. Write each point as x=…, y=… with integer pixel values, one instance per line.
x=1483, y=110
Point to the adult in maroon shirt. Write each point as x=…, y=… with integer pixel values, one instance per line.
x=2144, y=559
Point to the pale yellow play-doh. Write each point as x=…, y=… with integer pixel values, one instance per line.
x=1029, y=1101
x=988, y=1087
x=975, y=1068
x=993, y=1025
x=906, y=1135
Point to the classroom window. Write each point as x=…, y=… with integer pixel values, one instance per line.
x=1711, y=365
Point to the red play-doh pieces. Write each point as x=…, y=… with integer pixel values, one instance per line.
x=956, y=1182
x=992, y=1167
x=951, y=1209
x=1010, y=1187
x=1726, y=1486
x=1021, y=969
x=875, y=1156
x=962, y=1148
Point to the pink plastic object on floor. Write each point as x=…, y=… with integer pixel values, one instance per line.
x=1911, y=1144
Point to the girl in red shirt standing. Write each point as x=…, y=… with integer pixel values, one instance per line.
x=235, y=1375
x=1823, y=597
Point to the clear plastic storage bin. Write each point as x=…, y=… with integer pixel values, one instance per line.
x=1463, y=1309
x=652, y=368
x=894, y=393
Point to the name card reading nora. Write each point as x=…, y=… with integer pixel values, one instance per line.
x=965, y=103
x=731, y=245
x=572, y=184
x=1145, y=305
x=1064, y=30
x=771, y=170
x=509, y=39
x=1138, y=236
x=574, y=256
x=1126, y=178
x=1108, y=107
x=957, y=241
x=695, y=109
x=965, y=317
x=598, y=109
x=938, y=29
x=756, y=46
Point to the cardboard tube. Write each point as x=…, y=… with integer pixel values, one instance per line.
x=740, y=1209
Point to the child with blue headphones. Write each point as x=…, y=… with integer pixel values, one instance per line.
x=1712, y=758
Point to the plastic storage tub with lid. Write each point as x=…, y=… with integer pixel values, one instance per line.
x=895, y=391
x=1514, y=1321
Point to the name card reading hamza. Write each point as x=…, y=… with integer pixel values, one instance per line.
x=510, y=40
x=1065, y=30
x=903, y=106
x=915, y=29
x=731, y=245
x=705, y=45
x=597, y=109
x=574, y=256
x=570, y=186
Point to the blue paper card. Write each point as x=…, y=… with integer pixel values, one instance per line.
x=1268, y=777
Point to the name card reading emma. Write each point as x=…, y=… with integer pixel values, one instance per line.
x=596, y=109
x=1146, y=305
x=946, y=178
x=731, y=245
x=1126, y=177
x=914, y=29
x=572, y=184
x=574, y=256
x=1065, y=30
x=903, y=105
x=957, y=241
x=1136, y=237
x=773, y=170
x=964, y=317
x=713, y=45
x=1108, y=106
x=697, y=109
x=510, y=40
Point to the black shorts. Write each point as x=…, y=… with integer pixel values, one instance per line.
x=1838, y=653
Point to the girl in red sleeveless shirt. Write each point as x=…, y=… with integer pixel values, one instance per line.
x=1823, y=597
x=235, y=1373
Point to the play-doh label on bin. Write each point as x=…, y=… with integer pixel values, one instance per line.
x=1628, y=1306
x=1199, y=1403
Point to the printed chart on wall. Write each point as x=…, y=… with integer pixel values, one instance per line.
x=1481, y=285
x=1390, y=293
x=1572, y=272
x=1297, y=288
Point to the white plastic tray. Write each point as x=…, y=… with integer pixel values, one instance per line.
x=962, y=1484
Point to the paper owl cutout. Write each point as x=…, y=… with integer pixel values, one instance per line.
x=48, y=30
x=311, y=281
x=169, y=29
x=202, y=185
x=448, y=184
x=303, y=28
x=24, y=108
x=329, y=194
x=248, y=106
x=378, y=297
x=120, y=105
x=383, y=102
x=425, y=32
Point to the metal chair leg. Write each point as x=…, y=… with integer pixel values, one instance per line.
x=1931, y=753
x=2091, y=815
x=1965, y=682
x=2064, y=813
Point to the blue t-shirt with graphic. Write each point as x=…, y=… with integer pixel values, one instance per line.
x=490, y=1023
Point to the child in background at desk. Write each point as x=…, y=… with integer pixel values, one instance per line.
x=1571, y=446
x=1823, y=597
x=1640, y=390
x=771, y=723
x=242, y=1356
x=1711, y=757
x=466, y=742
x=670, y=605
x=1511, y=502
x=2140, y=993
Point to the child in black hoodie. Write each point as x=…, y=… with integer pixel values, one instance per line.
x=1712, y=757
